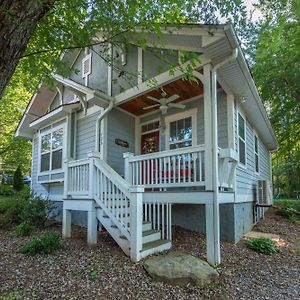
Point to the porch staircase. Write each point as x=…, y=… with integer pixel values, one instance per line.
x=114, y=203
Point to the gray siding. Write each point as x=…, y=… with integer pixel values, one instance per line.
x=130, y=73
x=53, y=191
x=38, y=188
x=198, y=103
x=120, y=126
x=85, y=135
x=158, y=61
x=246, y=177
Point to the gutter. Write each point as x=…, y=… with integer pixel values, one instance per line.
x=98, y=122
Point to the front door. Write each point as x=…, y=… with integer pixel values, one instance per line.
x=150, y=142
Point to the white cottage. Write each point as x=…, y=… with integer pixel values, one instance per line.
x=138, y=156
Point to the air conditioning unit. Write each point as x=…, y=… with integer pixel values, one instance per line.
x=264, y=193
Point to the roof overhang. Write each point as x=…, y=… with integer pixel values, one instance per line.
x=55, y=114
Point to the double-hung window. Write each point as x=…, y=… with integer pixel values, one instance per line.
x=256, y=150
x=51, y=148
x=242, y=139
x=181, y=133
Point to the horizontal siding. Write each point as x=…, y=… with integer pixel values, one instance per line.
x=85, y=135
x=38, y=188
x=246, y=178
x=120, y=126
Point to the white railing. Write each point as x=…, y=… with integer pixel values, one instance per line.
x=172, y=168
x=159, y=214
x=111, y=192
x=78, y=177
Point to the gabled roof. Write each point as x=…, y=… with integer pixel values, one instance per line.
x=216, y=43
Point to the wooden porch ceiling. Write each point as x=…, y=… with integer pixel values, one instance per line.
x=185, y=89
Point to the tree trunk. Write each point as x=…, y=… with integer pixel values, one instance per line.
x=18, y=20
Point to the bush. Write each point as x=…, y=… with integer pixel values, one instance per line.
x=25, y=207
x=6, y=190
x=262, y=245
x=289, y=209
x=46, y=243
x=24, y=229
x=18, y=182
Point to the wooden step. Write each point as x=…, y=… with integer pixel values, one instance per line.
x=151, y=236
x=155, y=246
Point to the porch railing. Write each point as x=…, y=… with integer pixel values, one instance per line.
x=172, y=168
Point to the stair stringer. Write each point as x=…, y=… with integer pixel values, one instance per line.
x=115, y=233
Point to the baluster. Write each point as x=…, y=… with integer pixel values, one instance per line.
x=158, y=216
x=170, y=222
x=160, y=170
x=179, y=167
x=195, y=171
x=154, y=215
x=165, y=170
x=151, y=171
x=163, y=221
x=189, y=167
x=169, y=170
x=174, y=168
x=145, y=212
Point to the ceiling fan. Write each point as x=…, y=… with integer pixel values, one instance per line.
x=165, y=103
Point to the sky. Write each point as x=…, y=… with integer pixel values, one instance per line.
x=249, y=5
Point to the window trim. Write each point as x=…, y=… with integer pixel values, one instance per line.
x=179, y=116
x=239, y=113
x=40, y=135
x=255, y=135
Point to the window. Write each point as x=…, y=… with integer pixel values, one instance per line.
x=242, y=139
x=256, y=159
x=150, y=126
x=180, y=133
x=86, y=65
x=51, y=149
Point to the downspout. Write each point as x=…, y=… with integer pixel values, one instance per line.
x=98, y=122
x=215, y=171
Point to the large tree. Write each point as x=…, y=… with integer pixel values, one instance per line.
x=277, y=73
x=18, y=20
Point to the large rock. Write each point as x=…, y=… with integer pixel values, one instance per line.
x=180, y=269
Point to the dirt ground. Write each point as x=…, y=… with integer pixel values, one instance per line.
x=104, y=272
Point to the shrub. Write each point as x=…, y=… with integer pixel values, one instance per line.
x=46, y=243
x=12, y=296
x=25, y=207
x=262, y=245
x=24, y=229
x=18, y=182
x=289, y=209
x=6, y=190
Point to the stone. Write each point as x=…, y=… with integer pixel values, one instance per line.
x=180, y=269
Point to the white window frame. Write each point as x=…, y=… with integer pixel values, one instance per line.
x=239, y=113
x=149, y=122
x=179, y=116
x=64, y=147
x=88, y=58
x=255, y=135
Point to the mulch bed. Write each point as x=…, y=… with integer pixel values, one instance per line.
x=104, y=272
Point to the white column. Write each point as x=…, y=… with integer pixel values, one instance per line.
x=136, y=223
x=66, y=226
x=127, y=171
x=92, y=228
x=207, y=127
x=216, y=259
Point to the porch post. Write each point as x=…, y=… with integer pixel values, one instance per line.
x=136, y=223
x=66, y=226
x=92, y=227
x=211, y=165
x=127, y=173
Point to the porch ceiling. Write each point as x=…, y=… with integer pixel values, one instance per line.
x=185, y=89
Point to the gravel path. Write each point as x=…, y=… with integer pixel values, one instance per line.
x=104, y=272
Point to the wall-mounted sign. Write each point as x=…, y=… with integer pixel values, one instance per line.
x=122, y=143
